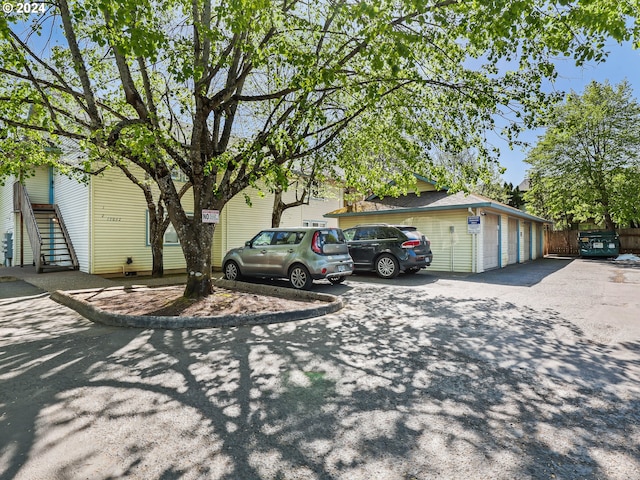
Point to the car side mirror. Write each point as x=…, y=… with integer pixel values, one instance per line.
x=247, y=243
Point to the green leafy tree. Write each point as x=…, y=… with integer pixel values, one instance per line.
x=586, y=164
x=512, y=195
x=167, y=85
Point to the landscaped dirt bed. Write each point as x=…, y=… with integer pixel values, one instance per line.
x=168, y=301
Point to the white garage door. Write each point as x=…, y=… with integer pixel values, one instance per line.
x=491, y=234
x=527, y=241
x=513, y=241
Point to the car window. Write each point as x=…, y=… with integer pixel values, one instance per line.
x=331, y=236
x=365, y=233
x=280, y=238
x=287, y=238
x=349, y=234
x=262, y=239
x=389, y=232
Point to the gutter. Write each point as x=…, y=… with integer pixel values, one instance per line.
x=501, y=208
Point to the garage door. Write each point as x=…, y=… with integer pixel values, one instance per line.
x=513, y=241
x=491, y=234
x=527, y=241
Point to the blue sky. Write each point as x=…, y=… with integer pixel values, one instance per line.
x=623, y=63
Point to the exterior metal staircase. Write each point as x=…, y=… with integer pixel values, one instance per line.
x=50, y=242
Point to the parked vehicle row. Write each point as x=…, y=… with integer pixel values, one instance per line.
x=388, y=249
x=301, y=254
x=304, y=254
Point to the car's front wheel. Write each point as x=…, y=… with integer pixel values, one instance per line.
x=387, y=266
x=300, y=277
x=231, y=271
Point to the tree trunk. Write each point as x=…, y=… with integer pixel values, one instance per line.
x=196, y=247
x=278, y=209
x=157, y=251
x=157, y=228
x=608, y=222
x=157, y=223
x=279, y=206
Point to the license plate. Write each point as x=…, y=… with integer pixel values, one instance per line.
x=342, y=268
x=598, y=245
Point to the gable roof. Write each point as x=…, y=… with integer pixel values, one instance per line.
x=525, y=185
x=429, y=201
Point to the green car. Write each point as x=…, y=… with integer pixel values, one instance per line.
x=300, y=254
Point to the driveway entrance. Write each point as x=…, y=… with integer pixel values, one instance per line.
x=447, y=376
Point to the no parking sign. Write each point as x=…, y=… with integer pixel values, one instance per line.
x=210, y=216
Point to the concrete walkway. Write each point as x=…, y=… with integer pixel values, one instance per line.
x=24, y=281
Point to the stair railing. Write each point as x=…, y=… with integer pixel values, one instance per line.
x=67, y=238
x=22, y=204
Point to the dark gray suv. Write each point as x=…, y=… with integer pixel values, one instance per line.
x=388, y=249
x=301, y=254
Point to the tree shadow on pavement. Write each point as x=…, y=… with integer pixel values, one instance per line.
x=391, y=387
x=523, y=274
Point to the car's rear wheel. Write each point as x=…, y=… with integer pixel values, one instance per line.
x=387, y=266
x=412, y=270
x=231, y=271
x=336, y=280
x=300, y=278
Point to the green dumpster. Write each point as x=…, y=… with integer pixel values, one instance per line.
x=599, y=244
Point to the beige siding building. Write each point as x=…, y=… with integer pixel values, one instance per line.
x=468, y=233
x=38, y=187
x=239, y=222
x=108, y=222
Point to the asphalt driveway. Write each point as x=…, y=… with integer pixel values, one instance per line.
x=431, y=376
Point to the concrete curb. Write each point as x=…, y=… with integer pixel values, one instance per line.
x=332, y=304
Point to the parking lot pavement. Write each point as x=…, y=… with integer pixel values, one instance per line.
x=434, y=376
x=11, y=287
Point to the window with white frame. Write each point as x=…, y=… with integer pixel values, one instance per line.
x=170, y=234
x=178, y=175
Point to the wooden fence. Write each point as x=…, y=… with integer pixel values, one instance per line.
x=566, y=242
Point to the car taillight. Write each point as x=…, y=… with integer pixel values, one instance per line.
x=315, y=243
x=411, y=244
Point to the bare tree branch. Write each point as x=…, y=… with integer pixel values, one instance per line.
x=148, y=92
x=78, y=61
x=55, y=131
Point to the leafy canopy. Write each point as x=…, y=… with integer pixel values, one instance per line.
x=587, y=164
x=246, y=85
